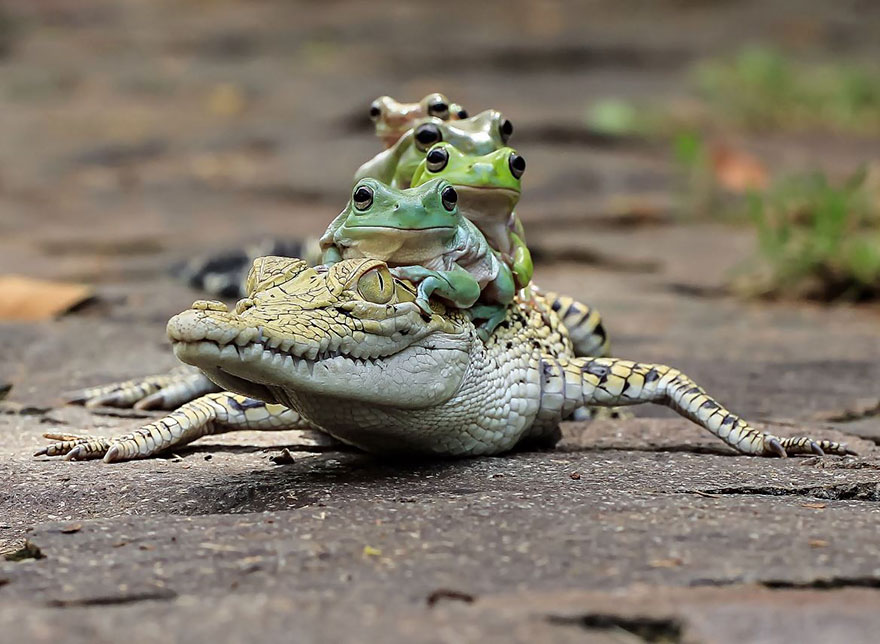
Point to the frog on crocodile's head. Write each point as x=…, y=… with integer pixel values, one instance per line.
x=396, y=226
x=489, y=187
x=480, y=134
x=393, y=119
x=421, y=234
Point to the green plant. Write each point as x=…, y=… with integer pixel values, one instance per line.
x=816, y=240
x=759, y=88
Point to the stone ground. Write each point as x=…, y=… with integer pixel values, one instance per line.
x=136, y=132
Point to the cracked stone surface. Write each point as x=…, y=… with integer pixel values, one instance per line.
x=118, y=161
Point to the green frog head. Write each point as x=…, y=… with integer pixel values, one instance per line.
x=480, y=134
x=408, y=226
x=393, y=119
x=488, y=185
x=489, y=188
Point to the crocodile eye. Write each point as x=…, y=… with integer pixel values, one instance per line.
x=517, y=165
x=426, y=135
x=376, y=285
x=375, y=111
x=449, y=197
x=437, y=159
x=439, y=109
x=505, y=129
x=362, y=197
x=462, y=114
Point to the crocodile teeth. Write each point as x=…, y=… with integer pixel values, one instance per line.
x=246, y=336
x=229, y=352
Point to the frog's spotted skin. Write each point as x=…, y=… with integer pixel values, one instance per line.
x=422, y=235
x=480, y=134
x=393, y=119
x=345, y=350
x=489, y=187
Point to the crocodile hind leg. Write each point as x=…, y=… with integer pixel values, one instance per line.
x=609, y=382
x=214, y=413
x=165, y=391
x=584, y=326
x=590, y=340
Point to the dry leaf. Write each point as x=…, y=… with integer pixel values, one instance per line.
x=818, y=543
x=70, y=529
x=736, y=170
x=673, y=562
x=814, y=506
x=27, y=298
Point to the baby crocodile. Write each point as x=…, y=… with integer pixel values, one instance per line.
x=344, y=349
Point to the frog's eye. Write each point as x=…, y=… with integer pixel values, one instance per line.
x=517, y=165
x=437, y=159
x=376, y=285
x=375, y=111
x=505, y=130
x=462, y=113
x=426, y=135
x=449, y=197
x=439, y=109
x=362, y=198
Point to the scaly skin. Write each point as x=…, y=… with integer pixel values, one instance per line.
x=489, y=187
x=479, y=134
x=363, y=365
x=393, y=119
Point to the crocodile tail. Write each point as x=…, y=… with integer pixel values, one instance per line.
x=223, y=274
x=584, y=326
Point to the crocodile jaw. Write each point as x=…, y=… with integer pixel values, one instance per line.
x=238, y=355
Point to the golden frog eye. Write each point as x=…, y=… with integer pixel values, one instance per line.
x=376, y=285
x=439, y=109
x=375, y=111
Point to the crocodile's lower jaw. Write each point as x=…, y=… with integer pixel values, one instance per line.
x=410, y=379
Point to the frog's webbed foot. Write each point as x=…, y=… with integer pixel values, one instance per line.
x=491, y=315
x=424, y=306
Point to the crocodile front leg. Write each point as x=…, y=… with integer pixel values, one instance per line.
x=214, y=413
x=610, y=382
x=165, y=391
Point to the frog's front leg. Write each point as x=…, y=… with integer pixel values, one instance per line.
x=522, y=266
x=495, y=298
x=455, y=285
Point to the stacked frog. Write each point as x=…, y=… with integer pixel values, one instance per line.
x=437, y=205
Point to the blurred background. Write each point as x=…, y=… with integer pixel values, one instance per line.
x=687, y=159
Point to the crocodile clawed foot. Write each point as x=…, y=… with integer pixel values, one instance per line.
x=73, y=447
x=784, y=447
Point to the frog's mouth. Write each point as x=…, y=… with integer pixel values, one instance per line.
x=397, y=229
